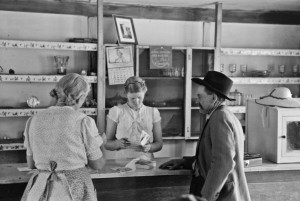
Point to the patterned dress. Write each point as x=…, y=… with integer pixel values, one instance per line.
x=130, y=123
x=61, y=141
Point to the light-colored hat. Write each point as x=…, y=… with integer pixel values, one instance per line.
x=280, y=97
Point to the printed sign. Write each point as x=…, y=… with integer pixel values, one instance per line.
x=160, y=57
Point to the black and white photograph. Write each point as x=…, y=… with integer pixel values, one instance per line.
x=150, y=100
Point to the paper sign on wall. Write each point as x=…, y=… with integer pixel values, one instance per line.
x=160, y=57
x=119, y=64
x=119, y=75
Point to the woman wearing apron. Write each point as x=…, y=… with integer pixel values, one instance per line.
x=61, y=142
x=125, y=124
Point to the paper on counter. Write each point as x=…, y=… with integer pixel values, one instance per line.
x=140, y=162
x=24, y=169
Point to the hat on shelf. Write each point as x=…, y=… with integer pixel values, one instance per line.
x=280, y=97
x=216, y=82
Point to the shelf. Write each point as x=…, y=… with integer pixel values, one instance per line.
x=266, y=80
x=234, y=109
x=160, y=78
x=193, y=138
x=12, y=147
x=27, y=112
x=48, y=45
x=174, y=138
x=173, y=47
x=38, y=78
x=260, y=52
x=168, y=108
x=178, y=47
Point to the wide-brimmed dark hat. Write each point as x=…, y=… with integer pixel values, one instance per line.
x=216, y=82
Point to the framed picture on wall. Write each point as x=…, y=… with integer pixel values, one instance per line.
x=125, y=29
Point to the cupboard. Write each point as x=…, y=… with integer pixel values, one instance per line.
x=192, y=57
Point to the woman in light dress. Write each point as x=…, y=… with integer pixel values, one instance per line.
x=61, y=143
x=125, y=124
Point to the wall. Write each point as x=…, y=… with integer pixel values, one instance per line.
x=49, y=27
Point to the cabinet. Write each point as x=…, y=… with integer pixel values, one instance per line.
x=273, y=57
x=275, y=135
x=31, y=57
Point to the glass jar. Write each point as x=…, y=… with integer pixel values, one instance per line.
x=237, y=96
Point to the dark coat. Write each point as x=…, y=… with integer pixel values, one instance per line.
x=220, y=160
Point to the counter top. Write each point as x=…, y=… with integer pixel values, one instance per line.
x=9, y=173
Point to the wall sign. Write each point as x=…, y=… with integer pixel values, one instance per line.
x=160, y=57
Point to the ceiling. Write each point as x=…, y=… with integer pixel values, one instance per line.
x=250, y=5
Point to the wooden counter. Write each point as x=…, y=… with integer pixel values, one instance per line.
x=267, y=182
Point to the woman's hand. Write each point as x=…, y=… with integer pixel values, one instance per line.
x=139, y=148
x=122, y=143
x=146, y=148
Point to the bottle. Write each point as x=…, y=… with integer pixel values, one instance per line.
x=238, y=98
x=182, y=72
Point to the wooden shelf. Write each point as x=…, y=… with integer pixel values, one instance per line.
x=174, y=138
x=38, y=78
x=193, y=137
x=27, y=112
x=178, y=47
x=234, y=109
x=173, y=47
x=168, y=108
x=266, y=80
x=12, y=147
x=260, y=52
x=163, y=78
x=48, y=45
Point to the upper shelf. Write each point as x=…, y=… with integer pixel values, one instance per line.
x=48, y=45
x=27, y=112
x=260, y=52
x=138, y=9
x=266, y=80
x=38, y=78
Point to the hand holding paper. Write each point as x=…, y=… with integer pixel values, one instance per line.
x=144, y=139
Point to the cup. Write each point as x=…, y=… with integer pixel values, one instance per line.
x=295, y=70
x=281, y=69
x=244, y=70
x=232, y=69
x=61, y=64
x=222, y=68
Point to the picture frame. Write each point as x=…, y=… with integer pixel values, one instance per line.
x=125, y=29
x=119, y=56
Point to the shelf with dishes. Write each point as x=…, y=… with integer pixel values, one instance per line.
x=234, y=109
x=266, y=80
x=260, y=52
x=48, y=45
x=38, y=78
x=11, y=144
x=26, y=112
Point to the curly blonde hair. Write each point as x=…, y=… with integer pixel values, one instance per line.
x=69, y=89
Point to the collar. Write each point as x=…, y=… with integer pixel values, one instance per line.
x=219, y=106
x=135, y=110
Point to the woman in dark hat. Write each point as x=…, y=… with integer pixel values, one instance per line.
x=218, y=166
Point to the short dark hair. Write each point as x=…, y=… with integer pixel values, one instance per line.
x=210, y=92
